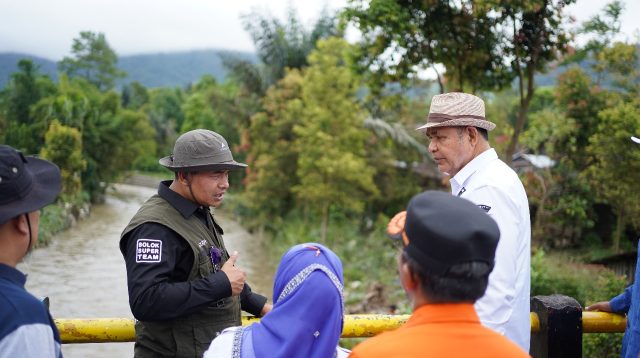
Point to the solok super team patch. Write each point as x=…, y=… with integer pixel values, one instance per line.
x=148, y=250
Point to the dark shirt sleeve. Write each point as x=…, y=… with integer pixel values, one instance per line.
x=159, y=290
x=251, y=302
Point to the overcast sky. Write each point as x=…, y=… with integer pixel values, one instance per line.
x=47, y=27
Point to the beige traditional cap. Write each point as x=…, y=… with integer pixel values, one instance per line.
x=456, y=109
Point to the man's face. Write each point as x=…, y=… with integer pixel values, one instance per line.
x=209, y=187
x=450, y=148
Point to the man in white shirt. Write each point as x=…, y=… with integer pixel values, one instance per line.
x=458, y=133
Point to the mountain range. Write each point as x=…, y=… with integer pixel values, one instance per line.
x=173, y=69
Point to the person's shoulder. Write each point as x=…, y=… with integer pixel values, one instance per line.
x=222, y=345
x=502, y=346
x=378, y=346
x=19, y=308
x=342, y=352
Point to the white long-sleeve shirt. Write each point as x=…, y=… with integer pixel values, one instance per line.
x=492, y=185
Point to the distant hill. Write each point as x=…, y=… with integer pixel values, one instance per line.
x=9, y=64
x=177, y=68
x=173, y=69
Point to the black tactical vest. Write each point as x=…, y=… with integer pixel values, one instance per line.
x=187, y=336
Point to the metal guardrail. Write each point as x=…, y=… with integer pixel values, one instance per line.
x=102, y=330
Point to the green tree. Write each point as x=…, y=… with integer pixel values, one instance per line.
x=165, y=113
x=533, y=35
x=600, y=30
x=63, y=146
x=271, y=153
x=134, y=95
x=93, y=59
x=332, y=166
x=25, y=88
x=282, y=45
x=616, y=167
x=481, y=44
x=401, y=38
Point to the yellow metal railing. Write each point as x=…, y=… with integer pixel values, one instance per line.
x=102, y=330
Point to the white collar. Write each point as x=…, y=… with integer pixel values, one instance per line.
x=482, y=160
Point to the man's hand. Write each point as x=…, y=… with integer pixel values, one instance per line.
x=603, y=306
x=235, y=275
x=395, y=228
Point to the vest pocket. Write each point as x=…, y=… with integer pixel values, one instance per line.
x=205, y=267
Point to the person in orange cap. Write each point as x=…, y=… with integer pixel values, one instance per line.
x=449, y=246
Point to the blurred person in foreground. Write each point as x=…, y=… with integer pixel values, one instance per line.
x=27, y=184
x=307, y=316
x=628, y=303
x=459, y=143
x=184, y=287
x=448, y=248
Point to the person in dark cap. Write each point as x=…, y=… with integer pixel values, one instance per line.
x=184, y=287
x=27, y=184
x=448, y=250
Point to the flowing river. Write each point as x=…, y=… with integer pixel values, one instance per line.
x=83, y=273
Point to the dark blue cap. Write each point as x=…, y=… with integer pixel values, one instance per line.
x=26, y=183
x=443, y=230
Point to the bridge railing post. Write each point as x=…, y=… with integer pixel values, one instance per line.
x=560, y=334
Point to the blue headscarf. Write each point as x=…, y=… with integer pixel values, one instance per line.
x=307, y=315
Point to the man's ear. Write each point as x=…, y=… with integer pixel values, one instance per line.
x=183, y=178
x=20, y=224
x=473, y=135
x=408, y=279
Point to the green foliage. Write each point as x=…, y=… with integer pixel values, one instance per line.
x=332, y=167
x=602, y=345
x=284, y=45
x=400, y=38
x=558, y=274
x=53, y=219
x=63, y=146
x=165, y=113
x=615, y=169
x=93, y=59
x=24, y=130
x=134, y=96
x=271, y=156
x=368, y=259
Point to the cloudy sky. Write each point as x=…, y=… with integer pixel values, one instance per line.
x=47, y=27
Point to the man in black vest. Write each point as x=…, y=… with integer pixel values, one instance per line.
x=183, y=286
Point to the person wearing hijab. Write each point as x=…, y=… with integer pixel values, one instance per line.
x=307, y=315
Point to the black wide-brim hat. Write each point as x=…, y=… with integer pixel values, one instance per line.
x=201, y=149
x=26, y=183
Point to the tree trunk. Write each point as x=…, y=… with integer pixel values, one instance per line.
x=525, y=100
x=440, y=84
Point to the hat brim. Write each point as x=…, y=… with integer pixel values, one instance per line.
x=167, y=162
x=47, y=184
x=460, y=122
